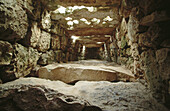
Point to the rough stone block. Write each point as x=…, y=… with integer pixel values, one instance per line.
x=58, y=55
x=47, y=58
x=33, y=35
x=13, y=22
x=46, y=21
x=144, y=40
x=133, y=25
x=154, y=17
x=25, y=59
x=55, y=27
x=163, y=58
x=44, y=41
x=32, y=7
x=123, y=42
x=6, y=52
x=70, y=73
x=55, y=42
x=134, y=50
x=33, y=97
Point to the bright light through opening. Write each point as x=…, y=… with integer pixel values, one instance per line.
x=83, y=19
x=108, y=18
x=84, y=48
x=68, y=18
x=90, y=9
x=83, y=51
x=74, y=38
x=70, y=22
x=99, y=42
x=97, y=21
x=61, y=9
x=76, y=21
x=47, y=21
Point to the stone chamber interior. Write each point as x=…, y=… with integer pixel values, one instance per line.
x=84, y=55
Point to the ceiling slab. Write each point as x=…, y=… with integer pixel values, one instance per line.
x=83, y=13
x=114, y=3
x=91, y=31
x=104, y=17
x=93, y=45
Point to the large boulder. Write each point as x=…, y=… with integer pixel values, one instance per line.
x=32, y=97
x=13, y=21
x=25, y=59
x=6, y=52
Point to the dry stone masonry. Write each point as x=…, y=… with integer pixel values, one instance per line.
x=131, y=33
x=27, y=38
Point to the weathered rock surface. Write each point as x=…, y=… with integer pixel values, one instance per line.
x=70, y=73
x=33, y=35
x=163, y=59
x=44, y=41
x=6, y=52
x=55, y=42
x=25, y=59
x=58, y=55
x=13, y=18
x=29, y=97
x=39, y=95
x=154, y=17
x=46, y=21
x=52, y=5
x=144, y=40
x=133, y=28
x=32, y=7
x=47, y=58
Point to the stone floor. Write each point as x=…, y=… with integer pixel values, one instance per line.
x=120, y=96
x=109, y=96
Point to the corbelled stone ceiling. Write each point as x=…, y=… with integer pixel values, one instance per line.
x=93, y=18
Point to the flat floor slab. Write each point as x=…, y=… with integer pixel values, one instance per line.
x=90, y=70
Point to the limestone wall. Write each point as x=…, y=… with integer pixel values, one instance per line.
x=28, y=38
x=141, y=43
